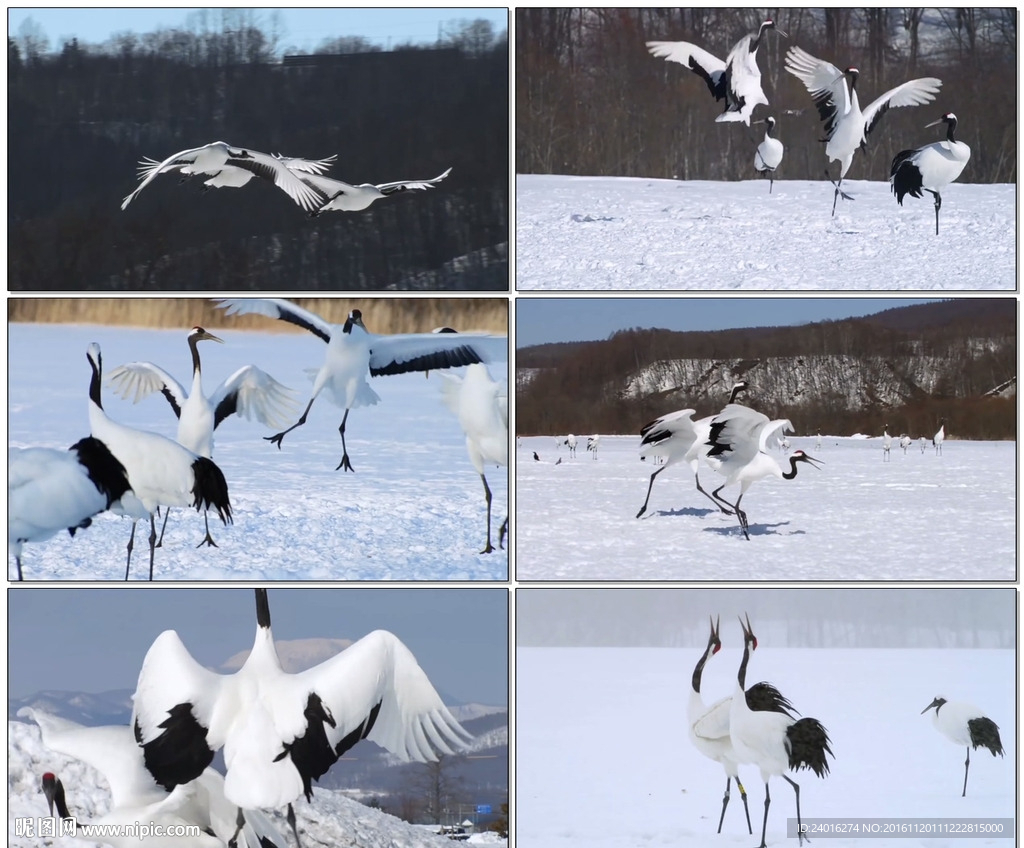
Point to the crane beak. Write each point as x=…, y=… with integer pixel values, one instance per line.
x=814, y=463
x=210, y=337
x=934, y=703
x=780, y=32
x=934, y=123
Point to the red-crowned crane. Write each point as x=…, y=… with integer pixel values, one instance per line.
x=965, y=724
x=737, y=80
x=846, y=126
x=931, y=167
x=353, y=353
x=50, y=490
x=768, y=156
x=281, y=731
x=939, y=437
x=344, y=197
x=249, y=393
x=570, y=441
x=212, y=159
x=481, y=405
x=677, y=437
x=136, y=798
x=738, y=440
x=231, y=176
x=886, y=443
x=709, y=728
x=592, y=443
x=905, y=442
x=160, y=471
x=765, y=732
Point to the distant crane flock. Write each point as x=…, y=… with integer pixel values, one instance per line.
x=737, y=81
x=135, y=472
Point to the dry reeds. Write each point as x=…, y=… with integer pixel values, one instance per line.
x=381, y=315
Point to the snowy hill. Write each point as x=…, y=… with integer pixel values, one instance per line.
x=330, y=820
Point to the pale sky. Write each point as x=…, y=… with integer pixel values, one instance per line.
x=94, y=639
x=303, y=29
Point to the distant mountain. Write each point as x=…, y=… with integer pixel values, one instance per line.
x=905, y=367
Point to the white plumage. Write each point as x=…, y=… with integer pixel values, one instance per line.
x=136, y=798
x=160, y=471
x=231, y=176
x=886, y=443
x=345, y=197
x=739, y=437
x=931, y=167
x=846, y=126
x=50, y=490
x=939, y=437
x=737, y=80
x=965, y=724
x=213, y=158
x=353, y=352
x=281, y=731
x=768, y=156
x=709, y=727
x=481, y=405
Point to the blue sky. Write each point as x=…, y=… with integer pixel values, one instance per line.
x=94, y=640
x=542, y=320
x=303, y=28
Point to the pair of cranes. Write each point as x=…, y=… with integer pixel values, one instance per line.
x=846, y=126
x=279, y=732
x=158, y=472
x=229, y=166
x=757, y=726
x=733, y=442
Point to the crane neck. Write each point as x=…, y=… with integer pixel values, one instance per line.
x=741, y=675
x=950, y=129
x=194, y=346
x=789, y=475
x=95, y=395
x=698, y=671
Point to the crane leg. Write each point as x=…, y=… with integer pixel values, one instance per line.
x=938, y=206
x=344, y=450
x=17, y=560
x=742, y=516
x=650, y=486
x=725, y=802
x=278, y=437
x=839, y=191
x=967, y=765
x=799, y=826
x=160, y=541
x=746, y=809
x=131, y=545
x=502, y=531
x=290, y=817
x=715, y=496
x=487, y=495
x=715, y=502
x=239, y=824
x=208, y=539
x=764, y=824
x=152, y=543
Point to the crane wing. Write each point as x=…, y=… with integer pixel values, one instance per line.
x=826, y=84
x=174, y=703
x=283, y=310
x=772, y=432
x=267, y=167
x=714, y=724
x=376, y=690
x=402, y=353
x=253, y=394
x=110, y=750
x=709, y=68
x=136, y=380
x=306, y=166
x=403, y=185
x=150, y=169
x=916, y=92
x=679, y=423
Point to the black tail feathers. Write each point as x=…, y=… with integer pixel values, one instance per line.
x=210, y=489
x=808, y=744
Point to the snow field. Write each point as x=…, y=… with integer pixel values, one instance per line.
x=602, y=233
x=604, y=758
x=917, y=517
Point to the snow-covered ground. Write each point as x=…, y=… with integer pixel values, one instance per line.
x=330, y=819
x=603, y=758
x=917, y=517
x=602, y=233
x=413, y=509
